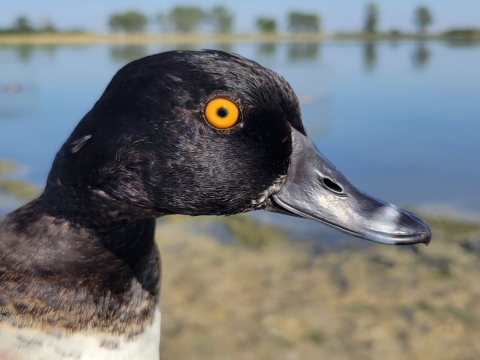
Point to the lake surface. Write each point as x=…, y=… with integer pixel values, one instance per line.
x=400, y=119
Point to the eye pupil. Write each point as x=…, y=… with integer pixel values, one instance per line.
x=222, y=112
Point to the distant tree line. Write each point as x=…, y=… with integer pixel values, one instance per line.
x=188, y=19
x=297, y=22
x=22, y=25
x=266, y=25
x=422, y=18
x=300, y=22
x=130, y=21
x=182, y=19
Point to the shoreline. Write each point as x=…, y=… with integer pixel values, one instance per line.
x=169, y=38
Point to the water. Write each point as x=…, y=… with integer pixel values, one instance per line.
x=400, y=119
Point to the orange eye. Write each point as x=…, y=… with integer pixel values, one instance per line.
x=221, y=113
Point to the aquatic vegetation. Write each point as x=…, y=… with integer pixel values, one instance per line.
x=452, y=226
x=251, y=232
x=244, y=230
x=21, y=189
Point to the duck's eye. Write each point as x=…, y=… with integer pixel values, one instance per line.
x=221, y=113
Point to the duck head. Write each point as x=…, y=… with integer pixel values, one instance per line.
x=210, y=133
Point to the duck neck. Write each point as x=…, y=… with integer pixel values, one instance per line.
x=124, y=237
x=89, y=258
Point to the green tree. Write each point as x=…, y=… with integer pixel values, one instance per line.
x=130, y=21
x=222, y=19
x=22, y=24
x=48, y=27
x=371, y=19
x=301, y=22
x=266, y=25
x=422, y=18
x=162, y=20
x=186, y=18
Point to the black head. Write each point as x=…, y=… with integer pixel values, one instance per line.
x=147, y=148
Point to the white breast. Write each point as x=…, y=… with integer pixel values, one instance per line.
x=33, y=344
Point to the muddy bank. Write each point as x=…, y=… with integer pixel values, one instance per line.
x=278, y=300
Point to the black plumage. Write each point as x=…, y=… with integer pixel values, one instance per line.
x=83, y=257
x=144, y=150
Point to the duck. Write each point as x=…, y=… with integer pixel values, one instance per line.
x=180, y=132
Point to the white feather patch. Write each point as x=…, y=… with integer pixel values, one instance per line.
x=29, y=343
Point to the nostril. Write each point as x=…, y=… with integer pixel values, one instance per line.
x=332, y=186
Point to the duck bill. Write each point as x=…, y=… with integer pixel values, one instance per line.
x=316, y=190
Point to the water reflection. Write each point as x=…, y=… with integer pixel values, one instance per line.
x=463, y=43
x=34, y=106
x=18, y=105
x=10, y=115
x=18, y=96
x=50, y=49
x=266, y=50
x=226, y=47
x=317, y=115
x=127, y=53
x=303, y=51
x=369, y=55
x=24, y=52
x=421, y=56
x=394, y=42
x=185, y=46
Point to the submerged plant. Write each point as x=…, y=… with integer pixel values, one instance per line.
x=21, y=189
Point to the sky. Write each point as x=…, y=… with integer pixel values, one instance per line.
x=336, y=14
